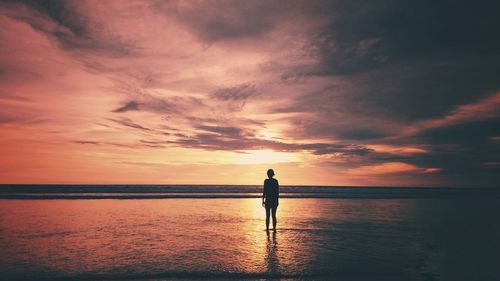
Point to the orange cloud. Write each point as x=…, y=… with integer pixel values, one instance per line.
x=400, y=150
x=485, y=108
x=389, y=168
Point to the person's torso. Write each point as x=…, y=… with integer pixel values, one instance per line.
x=271, y=188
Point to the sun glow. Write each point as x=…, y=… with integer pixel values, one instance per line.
x=265, y=156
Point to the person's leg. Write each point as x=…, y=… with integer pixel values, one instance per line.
x=267, y=218
x=274, y=217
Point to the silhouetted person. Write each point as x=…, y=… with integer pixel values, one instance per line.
x=270, y=197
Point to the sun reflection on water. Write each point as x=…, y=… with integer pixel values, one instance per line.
x=141, y=238
x=272, y=261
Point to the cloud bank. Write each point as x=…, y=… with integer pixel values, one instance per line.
x=386, y=93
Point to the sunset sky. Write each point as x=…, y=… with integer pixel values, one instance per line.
x=390, y=93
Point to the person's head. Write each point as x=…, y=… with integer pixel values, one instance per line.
x=270, y=173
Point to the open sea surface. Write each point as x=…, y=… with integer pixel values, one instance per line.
x=69, y=232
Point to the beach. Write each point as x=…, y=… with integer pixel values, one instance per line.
x=199, y=238
x=161, y=140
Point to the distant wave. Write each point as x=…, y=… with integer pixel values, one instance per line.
x=231, y=191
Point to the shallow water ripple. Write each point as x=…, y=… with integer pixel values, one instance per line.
x=346, y=239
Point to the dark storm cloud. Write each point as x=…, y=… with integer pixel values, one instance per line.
x=60, y=12
x=406, y=60
x=131, y=105
x=237, y=93
x=131, y=124
x=462, y=148
x=213, y=21
x=146, y=99
x=62, y=21
x=235, y=98
x=326, y=148
x=382, y=103
x=464, y=165
x=432, y=90
x=223, y=141
x=140, y=144
x=472, y=133
x=227, y=131
x=363, y=35
x=401, y=61
x=404, y=64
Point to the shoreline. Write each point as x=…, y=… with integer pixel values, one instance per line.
x=84, y=196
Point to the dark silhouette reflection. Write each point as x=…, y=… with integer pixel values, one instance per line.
x=270, y=198
x=272, y=261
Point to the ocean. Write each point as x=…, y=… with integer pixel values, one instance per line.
x=81, y=232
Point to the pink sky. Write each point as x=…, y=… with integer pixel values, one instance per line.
x=216, y=93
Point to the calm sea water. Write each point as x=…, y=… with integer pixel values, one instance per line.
x=10, y=191
x=194, y=238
